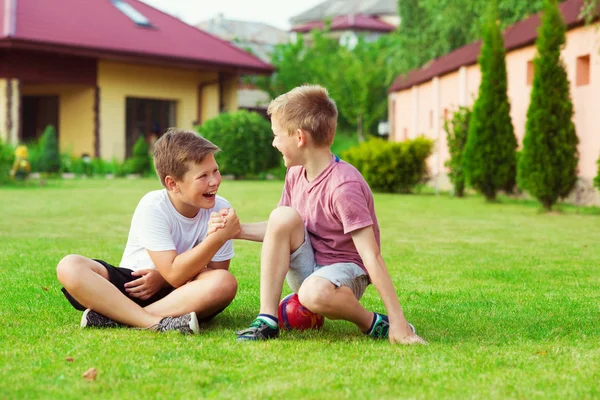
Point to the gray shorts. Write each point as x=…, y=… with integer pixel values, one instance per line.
x=303, y=266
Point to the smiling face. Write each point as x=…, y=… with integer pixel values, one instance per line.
x=197, y=189
x=288, y=145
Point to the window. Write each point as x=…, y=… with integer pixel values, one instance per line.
x=583, y=71
x=529, y=72
x=405, y=134
x=445, y=114
x=430, y=119
x=132, y=13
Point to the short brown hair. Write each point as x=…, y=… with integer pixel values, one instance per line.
x=175, y=149
x=309, y=108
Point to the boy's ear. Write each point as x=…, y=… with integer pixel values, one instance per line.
x=302, y=137
x=171, y=184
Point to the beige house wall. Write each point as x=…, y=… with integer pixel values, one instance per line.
x=9, y=116
x=421, y=102
x=75, y=115
x=117, y=81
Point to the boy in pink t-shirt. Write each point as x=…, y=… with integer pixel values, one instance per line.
x=324, y=236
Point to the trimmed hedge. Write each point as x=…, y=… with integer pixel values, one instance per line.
x=389, y=166
x=245, y=139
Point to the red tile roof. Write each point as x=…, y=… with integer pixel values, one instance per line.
x=521, y=34
x=359, y=22
x=97, y=28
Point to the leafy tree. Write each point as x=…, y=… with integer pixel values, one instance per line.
x=489, y=158
x=548, y=161
x=357, y=79
x=432, y=28
x=457, y=131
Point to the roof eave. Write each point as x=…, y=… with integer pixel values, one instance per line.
x=136, y=57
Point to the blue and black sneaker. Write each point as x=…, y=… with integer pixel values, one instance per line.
x=381, y=327
x=258, y=330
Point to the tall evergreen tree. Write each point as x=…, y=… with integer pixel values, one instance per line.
x=548, y=162
x=489, y=158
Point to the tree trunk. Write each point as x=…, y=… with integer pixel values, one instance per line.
x=359, y=128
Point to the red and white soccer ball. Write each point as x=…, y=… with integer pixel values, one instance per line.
x=293, y=315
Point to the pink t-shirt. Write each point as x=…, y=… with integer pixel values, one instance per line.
x=336, y=203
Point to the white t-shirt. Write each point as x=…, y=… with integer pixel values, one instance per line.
x=157, y=226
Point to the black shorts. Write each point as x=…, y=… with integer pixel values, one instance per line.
x=119, y=277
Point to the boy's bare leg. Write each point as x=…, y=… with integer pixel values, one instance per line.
x=87, y=281
x=322, y=297
x=211, y=291
x=285, y=234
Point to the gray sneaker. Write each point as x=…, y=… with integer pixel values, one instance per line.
x=187, y=324
x=92, y=319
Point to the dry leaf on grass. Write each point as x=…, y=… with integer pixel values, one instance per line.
x=44, y=288
x=70, y=359
x=90, y=374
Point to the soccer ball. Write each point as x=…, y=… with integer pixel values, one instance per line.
x=293, y=315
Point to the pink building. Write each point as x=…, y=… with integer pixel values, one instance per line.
x=421, y=101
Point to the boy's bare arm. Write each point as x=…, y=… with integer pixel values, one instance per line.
x=254, y=232
x=400, y=331
x=178, y=269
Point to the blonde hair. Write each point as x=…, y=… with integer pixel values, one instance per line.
x=308, y=108
x=174, y=150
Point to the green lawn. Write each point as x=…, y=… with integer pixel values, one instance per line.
x=508, y=299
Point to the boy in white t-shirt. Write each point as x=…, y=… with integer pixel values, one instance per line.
x=171, y=274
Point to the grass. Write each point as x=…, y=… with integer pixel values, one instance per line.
x=507, y=297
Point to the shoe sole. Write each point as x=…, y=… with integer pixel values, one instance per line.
x=83, y=323
x=194, y=326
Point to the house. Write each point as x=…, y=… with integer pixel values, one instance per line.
x=349, y=18
x=105, y=72
x=422, y=100
x=259, y=39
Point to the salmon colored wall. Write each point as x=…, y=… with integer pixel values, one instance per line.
x=582, y=41
x=519, y=91
x=75, y=115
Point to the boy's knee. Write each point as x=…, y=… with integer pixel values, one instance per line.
x=315, y=294
x=224, y=284
x=67, y=268
x=285, y=218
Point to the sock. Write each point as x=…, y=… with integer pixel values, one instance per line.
x=376, y=317
x=368, y=331
x=270, y=320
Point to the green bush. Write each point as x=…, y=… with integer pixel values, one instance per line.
x=245, y=139
x=489, y=158
x=457, y=131
x=98, y=166
x=49, y=161
x=391, y=167
x=549, y=159
x=7, y=157
x=139, y=163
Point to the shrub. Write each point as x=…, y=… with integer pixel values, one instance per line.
x=245, y=140
x=489, y=158
x=391, y=167
x=457, y=131
x=49, y=160
x=548, y=163
x=98, y=166
x=7, y=157
x=139, y=163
